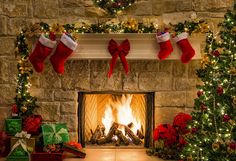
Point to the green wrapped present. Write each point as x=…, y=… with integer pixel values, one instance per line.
x=13, y=126
x=19, y=150
x=55, y=133
x=18, y=154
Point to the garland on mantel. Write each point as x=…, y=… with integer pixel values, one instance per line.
x=24, y=101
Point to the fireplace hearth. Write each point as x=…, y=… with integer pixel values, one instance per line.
x=110, y=119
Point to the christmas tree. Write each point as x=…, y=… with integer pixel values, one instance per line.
x=213, y=127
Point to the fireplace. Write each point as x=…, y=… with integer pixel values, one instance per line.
x=108, y=119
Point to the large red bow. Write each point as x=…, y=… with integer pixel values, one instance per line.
x=118, y=50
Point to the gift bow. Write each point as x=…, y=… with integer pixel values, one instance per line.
x=118, y=50
x=23, y=135
x=55, y=135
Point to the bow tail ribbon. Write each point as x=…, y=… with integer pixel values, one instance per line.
x=112, y=64
x=124, y=63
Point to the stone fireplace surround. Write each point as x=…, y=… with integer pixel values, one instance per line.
x=172, y=82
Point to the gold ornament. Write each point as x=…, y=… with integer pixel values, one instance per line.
x=234, y=100
x=56, y=28
x=190, y=158
x=23, y=109
x=204, y=61
x=215, y=146
x=229, y=150
x=232, y=71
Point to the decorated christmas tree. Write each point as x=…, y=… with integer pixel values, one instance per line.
x=213, y=127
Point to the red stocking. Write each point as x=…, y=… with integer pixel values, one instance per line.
x=64, y=49
x=165, y=45
x=42, y=49
x=187, y=51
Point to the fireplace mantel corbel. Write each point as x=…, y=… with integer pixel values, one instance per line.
x=143, y=46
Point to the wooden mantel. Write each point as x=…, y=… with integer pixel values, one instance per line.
x=143, y=46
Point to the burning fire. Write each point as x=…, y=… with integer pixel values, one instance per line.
x=120, y=111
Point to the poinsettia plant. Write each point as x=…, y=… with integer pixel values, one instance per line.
x=169, y=139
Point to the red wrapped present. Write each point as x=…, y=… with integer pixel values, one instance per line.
x=5, y=146
x=74, y=148
x=32, y=124
x=46, y=156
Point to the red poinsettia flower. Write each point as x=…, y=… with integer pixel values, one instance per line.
x=180, y=122
x=167, y=133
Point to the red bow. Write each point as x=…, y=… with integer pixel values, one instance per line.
x=118, y=50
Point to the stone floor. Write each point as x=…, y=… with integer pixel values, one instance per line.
x=114, y=155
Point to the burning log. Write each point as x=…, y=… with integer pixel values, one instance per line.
x=140, y=134
x=109, y=136
x=118, y=141
x=122, y=137
x=96, y=135
x=136, y=140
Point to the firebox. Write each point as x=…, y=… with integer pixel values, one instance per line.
x=113, y=119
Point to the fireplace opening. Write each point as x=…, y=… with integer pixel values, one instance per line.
x=115, y=119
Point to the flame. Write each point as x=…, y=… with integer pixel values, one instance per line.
x=123, y=114
x=107, y=119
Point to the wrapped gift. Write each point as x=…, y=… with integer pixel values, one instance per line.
x=4, y=144
x=74, y=148
x=32, y=124
x=13, y=126
x=19, y=150
x=30, y=142
x=55, y=134
x=18, y=154
x=36, y=156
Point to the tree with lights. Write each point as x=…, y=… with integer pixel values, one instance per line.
x=213, y=127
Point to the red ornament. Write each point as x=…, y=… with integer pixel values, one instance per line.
x=194, y=130
x=180, y=122
x=220, y=90
x=14, y=108
x=203, y=107
x=199, y=93
x=32, y=124
x=232, y=145
x=216, y=53
x=226, y=118
x=52, y=36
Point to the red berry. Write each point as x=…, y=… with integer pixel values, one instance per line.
x=199, y=93
x=220, y=90
x=203, y=107
x=226, y=118
x=216, y=53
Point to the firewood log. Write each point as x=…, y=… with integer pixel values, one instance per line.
x=96, y=135
x=122, y=137
x=109, y=136
x=136, y=140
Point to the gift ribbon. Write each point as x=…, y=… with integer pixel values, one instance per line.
x=21, y=142
x=116, y=50
x=55, y=134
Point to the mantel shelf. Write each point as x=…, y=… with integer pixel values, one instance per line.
x=143, y=46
